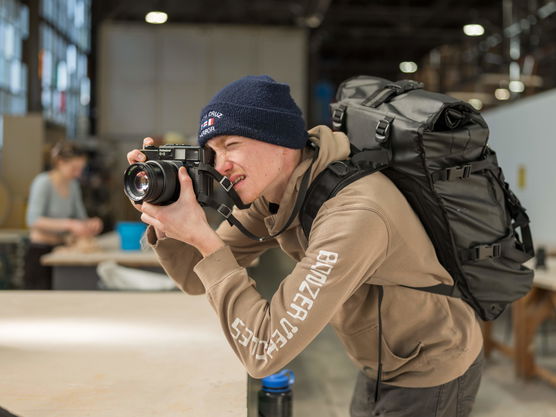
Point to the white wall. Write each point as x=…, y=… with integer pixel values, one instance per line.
x=523, y=134
x=155, y=79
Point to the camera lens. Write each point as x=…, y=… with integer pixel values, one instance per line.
x=152, y=182
x=141, y=182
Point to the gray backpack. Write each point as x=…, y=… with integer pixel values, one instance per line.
x=434, y=148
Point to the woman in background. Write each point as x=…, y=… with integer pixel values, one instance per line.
x=56, y=212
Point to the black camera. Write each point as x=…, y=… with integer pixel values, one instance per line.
x=156, y=180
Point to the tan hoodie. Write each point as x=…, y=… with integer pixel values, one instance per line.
x=367, y=234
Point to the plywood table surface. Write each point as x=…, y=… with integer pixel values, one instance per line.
x=76, y=354
x=109, y=250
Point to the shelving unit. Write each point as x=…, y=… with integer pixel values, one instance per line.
x=14, y=29
x=64, y=45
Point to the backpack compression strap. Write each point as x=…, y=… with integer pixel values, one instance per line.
x=515, y=209
x=390, y=91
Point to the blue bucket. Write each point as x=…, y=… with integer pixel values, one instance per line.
x=130, y=234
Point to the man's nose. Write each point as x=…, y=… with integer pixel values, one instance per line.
x=223, y=166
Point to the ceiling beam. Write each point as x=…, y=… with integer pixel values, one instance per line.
x=388, y=15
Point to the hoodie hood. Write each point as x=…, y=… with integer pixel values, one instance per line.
x=333, y=146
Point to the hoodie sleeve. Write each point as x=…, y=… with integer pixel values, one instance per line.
x=267, y=335
x=178, y=259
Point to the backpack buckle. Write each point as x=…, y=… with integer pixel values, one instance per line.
x=486, y=251
x=458, y=173
x=338, y=117
x=339, y=168
x=382, y=131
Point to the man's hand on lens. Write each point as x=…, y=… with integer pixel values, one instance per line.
x=133, y=157
x=184, y=220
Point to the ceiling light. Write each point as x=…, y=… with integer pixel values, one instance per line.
x=408, y=67
x=313, y=21
x=516, y=86
x=473, y=29
x=475, y=102
x=502, y=94
x=156, y=18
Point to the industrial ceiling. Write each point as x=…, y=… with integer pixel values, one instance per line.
x=348, y=37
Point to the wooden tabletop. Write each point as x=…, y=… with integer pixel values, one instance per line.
x=109, y=245
x=69, y=354
x=545, y=278
x=13, y=235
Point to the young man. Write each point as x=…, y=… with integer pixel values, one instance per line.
x=365, y=237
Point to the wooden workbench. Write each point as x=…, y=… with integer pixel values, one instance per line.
x=69, y=354
x=528, y=313
x=76, y=270
x=109, y=245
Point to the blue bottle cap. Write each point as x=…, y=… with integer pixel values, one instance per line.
x=279, y=382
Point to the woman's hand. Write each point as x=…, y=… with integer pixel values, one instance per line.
x=79, y=228
x=85, y=228
x=94, y=224
x=184, y=219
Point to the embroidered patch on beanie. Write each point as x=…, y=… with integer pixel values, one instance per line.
x=256, y=107
x=208, y=124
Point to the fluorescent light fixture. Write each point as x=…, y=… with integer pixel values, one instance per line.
x=313, y=21
x=156, y=18
x=516, y=86
x=473, y=29
x=547, y=10
x=502, y=94
x=475, y=102
x=408, y=67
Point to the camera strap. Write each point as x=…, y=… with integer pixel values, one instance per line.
x=226, y=211
x=226, y=185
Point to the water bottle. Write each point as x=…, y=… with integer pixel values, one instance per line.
x=275, y=396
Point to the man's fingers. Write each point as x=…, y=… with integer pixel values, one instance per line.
x=146, y=218
x=135, y=156
x=149, y=209
x=137, y=206
x=186, y=184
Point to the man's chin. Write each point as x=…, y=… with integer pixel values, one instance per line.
x=246, y=200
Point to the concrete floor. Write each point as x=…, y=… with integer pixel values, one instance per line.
x=325, y=376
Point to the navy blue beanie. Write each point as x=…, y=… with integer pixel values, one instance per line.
x=255, y=107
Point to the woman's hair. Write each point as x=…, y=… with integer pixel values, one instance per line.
x=64, y=150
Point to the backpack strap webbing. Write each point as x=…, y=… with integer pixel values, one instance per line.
x=379, y=347
x=326, y=185
x=441, y=289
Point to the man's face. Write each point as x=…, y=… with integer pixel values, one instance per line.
x=255, y=168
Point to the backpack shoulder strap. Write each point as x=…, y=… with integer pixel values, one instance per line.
x=328, y=183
